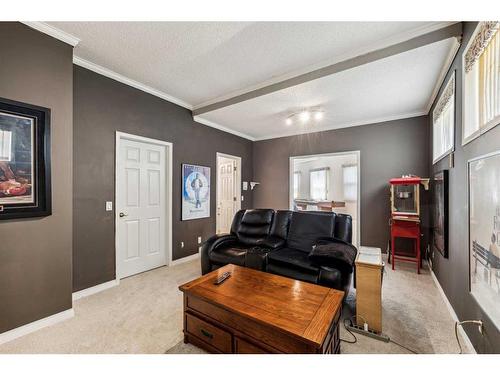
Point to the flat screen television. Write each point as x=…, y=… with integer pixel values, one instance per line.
x=439, y=188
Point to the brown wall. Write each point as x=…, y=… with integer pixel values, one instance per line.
x=453, y=273
x=102, y=107
x=35, y=254
x=388, y=150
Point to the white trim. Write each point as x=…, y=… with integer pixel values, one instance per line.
x=452, y=313
x=54, y=32
x=444, y=71
x=237, y=182
x=189, y=258
x=223, y=128
x=95, y=289
x=343, y=126
x=383, y=43
x=129, y=82
x=169, y=190
x=36, y=325
x=358, y=208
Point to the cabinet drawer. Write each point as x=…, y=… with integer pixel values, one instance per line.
x=244, y=347
x=208, y=333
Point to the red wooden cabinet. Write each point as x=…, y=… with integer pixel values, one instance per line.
x=405, y=216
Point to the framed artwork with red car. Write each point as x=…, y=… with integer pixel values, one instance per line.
x=25, y=186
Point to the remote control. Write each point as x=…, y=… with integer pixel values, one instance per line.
x=222, y=278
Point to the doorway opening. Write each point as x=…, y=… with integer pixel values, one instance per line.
x=327, y=182
x=228, y=190
x=143, y=204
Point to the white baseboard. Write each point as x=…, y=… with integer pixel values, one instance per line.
x=35, y=326
x=95, y=289
x=185, y=259
x=453, y=313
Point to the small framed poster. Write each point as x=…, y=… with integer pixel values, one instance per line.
x=25, y=188
x=195, y=192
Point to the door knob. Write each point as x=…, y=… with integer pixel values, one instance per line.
x=122, y=214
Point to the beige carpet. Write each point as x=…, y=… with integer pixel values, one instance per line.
x=144, y=315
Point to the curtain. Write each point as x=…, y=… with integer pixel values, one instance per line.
x=318, y=184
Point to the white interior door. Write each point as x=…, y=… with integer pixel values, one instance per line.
x=141, y=202
x=226, y=202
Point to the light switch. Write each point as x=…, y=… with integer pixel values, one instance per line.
x=109, y=206
x=245, y=185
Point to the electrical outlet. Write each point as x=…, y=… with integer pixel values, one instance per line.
x=199, y=239
x=242, y=198
x=182, y=244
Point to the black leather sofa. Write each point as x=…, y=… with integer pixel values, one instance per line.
x=279, y=242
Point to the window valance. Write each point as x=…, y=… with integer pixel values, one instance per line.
x=481, y=40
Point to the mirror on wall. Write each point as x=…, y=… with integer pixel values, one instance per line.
x=327, y=182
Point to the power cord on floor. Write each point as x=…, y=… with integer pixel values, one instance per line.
x=479, y=323
x=355, y=339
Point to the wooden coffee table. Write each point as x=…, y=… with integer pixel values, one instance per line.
x=257, y=312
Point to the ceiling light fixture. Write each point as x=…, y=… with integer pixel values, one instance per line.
x=305, y=116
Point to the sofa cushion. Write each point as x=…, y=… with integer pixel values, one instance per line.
x=307, y=227
x=292, y=258
x=255, y=226
x=293, y=273
x=234, y=254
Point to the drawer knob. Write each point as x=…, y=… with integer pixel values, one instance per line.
x=207, y=334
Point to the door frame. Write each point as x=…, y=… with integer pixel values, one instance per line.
x=237, y=183
x=358, y=156
x=168, y=190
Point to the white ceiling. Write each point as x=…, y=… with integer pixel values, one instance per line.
x=196, y=63
x=396, y=87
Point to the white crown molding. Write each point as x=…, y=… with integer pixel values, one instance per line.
x=401, y=37
x=444, y=71
x=189, y=258
x=223, y=128
x=35, y=326
x=452, y=313
x=129, y=82
x=53, y=32
x=95, y=289
x=346, y=125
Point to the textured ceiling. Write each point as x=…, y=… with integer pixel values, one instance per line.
x=197, y=63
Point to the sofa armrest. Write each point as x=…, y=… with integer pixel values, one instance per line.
x=334, y=278
x=273, y=242
x=211, y=244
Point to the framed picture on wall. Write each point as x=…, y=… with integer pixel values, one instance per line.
x=195, y=192
x=25, y=189
x=439, y=188
x=484, y=232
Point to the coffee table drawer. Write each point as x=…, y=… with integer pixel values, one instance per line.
x=209, y=333
x=244, y=347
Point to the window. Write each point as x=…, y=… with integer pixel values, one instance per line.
x=5, y=145
x=318, y=179
x=350, y=174
x=296, y=184
x=443, y=122
x=481, y=64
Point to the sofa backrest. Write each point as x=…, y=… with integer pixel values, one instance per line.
x=281, y=224
x=300, y=229
x=254, y=226
x=307, y=227
x=343, y=227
